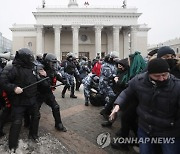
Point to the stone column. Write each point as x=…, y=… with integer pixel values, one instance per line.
x=57, y=40
x=75, y=29
x=116, y=30
x=109, y=40
x=126, y=46
x=98, y=40
x=133, y=39
x=39, y=40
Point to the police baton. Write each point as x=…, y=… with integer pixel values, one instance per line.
x=57, y=85
x=35, y=83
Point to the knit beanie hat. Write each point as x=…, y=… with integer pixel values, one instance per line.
x=158, y=65
x=165, y=50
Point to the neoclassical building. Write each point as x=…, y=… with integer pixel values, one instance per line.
x=85, y=31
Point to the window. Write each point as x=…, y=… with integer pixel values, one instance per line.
x=84, y=38
x=83, y=54
x=64, y=55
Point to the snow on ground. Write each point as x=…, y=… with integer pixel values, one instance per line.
x=47, y=144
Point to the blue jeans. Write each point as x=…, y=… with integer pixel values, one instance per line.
x=150, y=148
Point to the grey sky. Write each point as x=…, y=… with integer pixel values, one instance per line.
x=162, y=16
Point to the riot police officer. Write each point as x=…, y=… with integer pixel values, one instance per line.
x=23, y=99
x=106, y=82
x=44, y=88
x=70, y=71
x=5, y=104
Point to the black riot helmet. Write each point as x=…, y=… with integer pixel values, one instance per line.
x=95, y=81
x=85, y=58
x=39, y=58
x=50, y=61
x=24, y=57
x=110, y=57
x=70, y=56
x=107, y=57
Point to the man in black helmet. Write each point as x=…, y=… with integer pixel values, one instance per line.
x=106, y=83
x=23, y=100
x=45, y=88
x=70, y=71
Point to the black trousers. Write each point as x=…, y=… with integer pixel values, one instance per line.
x=4, y=117
x=129, y=119
x=50, y=100
x=17, y=116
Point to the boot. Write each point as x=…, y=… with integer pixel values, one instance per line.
x=64, y=91
x=5, y=114
x=120, y=146
x=86, y=104
x=106, y=124
x=86, y=101
x=58, y=123
x=12, y=151
x=1, y=130
x=72, y=93
x=60, y=127
x=35, y=138
x=104, y=114
x=73, y=96
x=14, y=134
x=63, y=95
x=2, y=133
x=33, y=131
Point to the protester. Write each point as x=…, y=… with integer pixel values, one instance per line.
x=169, y=55
x=158, y=107
x=97, y=68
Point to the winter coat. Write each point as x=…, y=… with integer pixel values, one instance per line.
x=158, y=108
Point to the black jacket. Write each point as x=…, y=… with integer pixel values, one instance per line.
x=69, y=67
x=45, y=86
x=17, y=76
x=158, y=108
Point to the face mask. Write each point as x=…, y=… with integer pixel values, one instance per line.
x=70, y=59
x=53, y=66
x=160, y=83
x=171, y=62
x=119, y=70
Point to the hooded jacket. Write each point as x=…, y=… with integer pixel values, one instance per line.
x=18, y=75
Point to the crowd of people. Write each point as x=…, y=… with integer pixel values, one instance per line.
x=145, y=91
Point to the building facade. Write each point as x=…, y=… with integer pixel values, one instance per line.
x=85, y=31
x=5, y=44
x=174, y=44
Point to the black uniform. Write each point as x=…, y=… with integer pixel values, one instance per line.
x=21, y=75
x=4, y=104
x=45, y=93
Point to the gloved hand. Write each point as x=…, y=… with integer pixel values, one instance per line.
x=18, y=90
